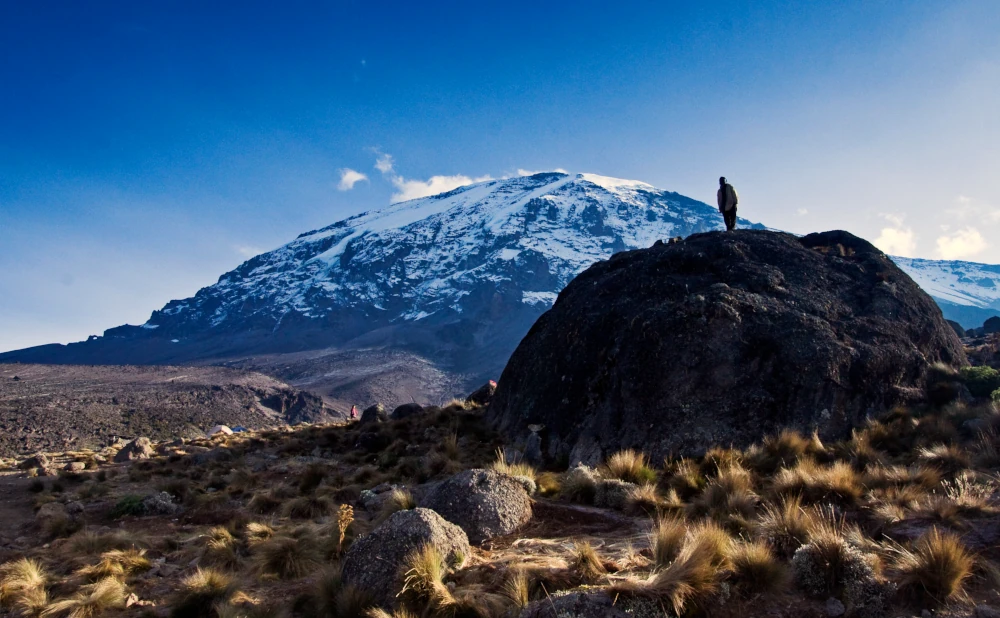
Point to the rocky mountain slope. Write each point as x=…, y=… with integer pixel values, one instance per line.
x=48, y=407
x=967, y=292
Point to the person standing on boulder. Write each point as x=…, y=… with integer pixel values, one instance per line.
x=727, y=199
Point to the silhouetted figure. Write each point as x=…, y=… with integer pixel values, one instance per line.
x=354, y=412
x=727, y=203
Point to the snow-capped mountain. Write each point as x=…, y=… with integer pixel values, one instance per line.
x=458, y=277
x=967, y=292
x=462, y=274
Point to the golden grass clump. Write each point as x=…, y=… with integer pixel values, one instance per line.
x=89, y=601
x=666, y=539
x=398, y=500
x=630, y=466
x=287, y=557
x=308, y=507
x=117, y=563
x=643, y=500
x=222, y=549
x=692, y=576
x=201, y=592
x=517, y=468
x=257, y=532
x=936, y=568
x=686, y=478
x=588, y=564
x=948, y=458
x=786, y=526
x=728, y=498
x=22, y=586
x=837, y=483
x=548, y=484
x=518, y=588
x=90, y=543
x=756, y=570
x=424, y=579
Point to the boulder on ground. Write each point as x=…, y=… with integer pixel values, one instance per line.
x=407, y=410
x=75, y=466
x=38, y=460
x=483, y=395
x=219, y=429
x=375, y=562
x=955, y=326
x=140, y=448
x=484, y=503
x=722, y=338
x=374, y=414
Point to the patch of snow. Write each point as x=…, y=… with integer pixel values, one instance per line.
x=539, y=298
x=149, y=326
x=509, y=254
x=607, y=182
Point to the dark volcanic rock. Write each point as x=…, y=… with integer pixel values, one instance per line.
x=406, y=410
x=484, y=394
x=484, y=503
x=722, y=339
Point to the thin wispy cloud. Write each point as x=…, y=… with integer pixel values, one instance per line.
x=349, y=178
x=384, y=163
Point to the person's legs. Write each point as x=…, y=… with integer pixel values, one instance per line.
x=730, y=218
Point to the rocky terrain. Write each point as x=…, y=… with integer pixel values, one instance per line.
x=722, y=338
x=50, y=407
x=901, y=519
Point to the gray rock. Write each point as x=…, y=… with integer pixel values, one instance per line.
x=375, y=562
x=484, y=503
x=574, y=604
x=374, y=414
x=140, y=448
x=38, y=460
x=51, y=511
x=985, y=611
x=613, y=493
x=75, y=466
x=533, y=449
x=406, y=410
x=834, y=608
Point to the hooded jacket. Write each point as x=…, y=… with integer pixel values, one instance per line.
x=727, y=197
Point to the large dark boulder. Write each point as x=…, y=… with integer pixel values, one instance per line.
x=722, y=338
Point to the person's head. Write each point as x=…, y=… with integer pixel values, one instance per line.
x=722, y=180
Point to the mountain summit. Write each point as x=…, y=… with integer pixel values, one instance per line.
x=460, y=276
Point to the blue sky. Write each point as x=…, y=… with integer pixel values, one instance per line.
x=146, y=148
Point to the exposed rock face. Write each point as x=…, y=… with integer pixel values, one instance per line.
x=484, y=503
x=407, y=410
x=374, y=563
x=140, y=448
x=722, y=338
x=374, y=414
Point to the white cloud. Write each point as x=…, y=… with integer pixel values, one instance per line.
x=962, y=244
x=247, y=251
x=524, y=172
x=897, y=241
x=384, y=163
x=349, y=178
x=412, y=189
x=802, y=212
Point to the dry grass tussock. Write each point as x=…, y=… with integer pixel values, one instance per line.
x=630, y=466
x=200, y=592
x=117, y=563
x=935, y=569
x=814, y=483
x=22, y=586
x=89, y=601
x=514, y=468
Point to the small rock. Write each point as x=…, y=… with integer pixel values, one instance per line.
x=51, y=510
x=484, y=503
x=219, y=430
x=140, y=448
x=834, y=608
x=75, y=466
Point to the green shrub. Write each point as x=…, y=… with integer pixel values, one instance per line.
x=995, y=395
x=982, y=381
x=127, y=505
